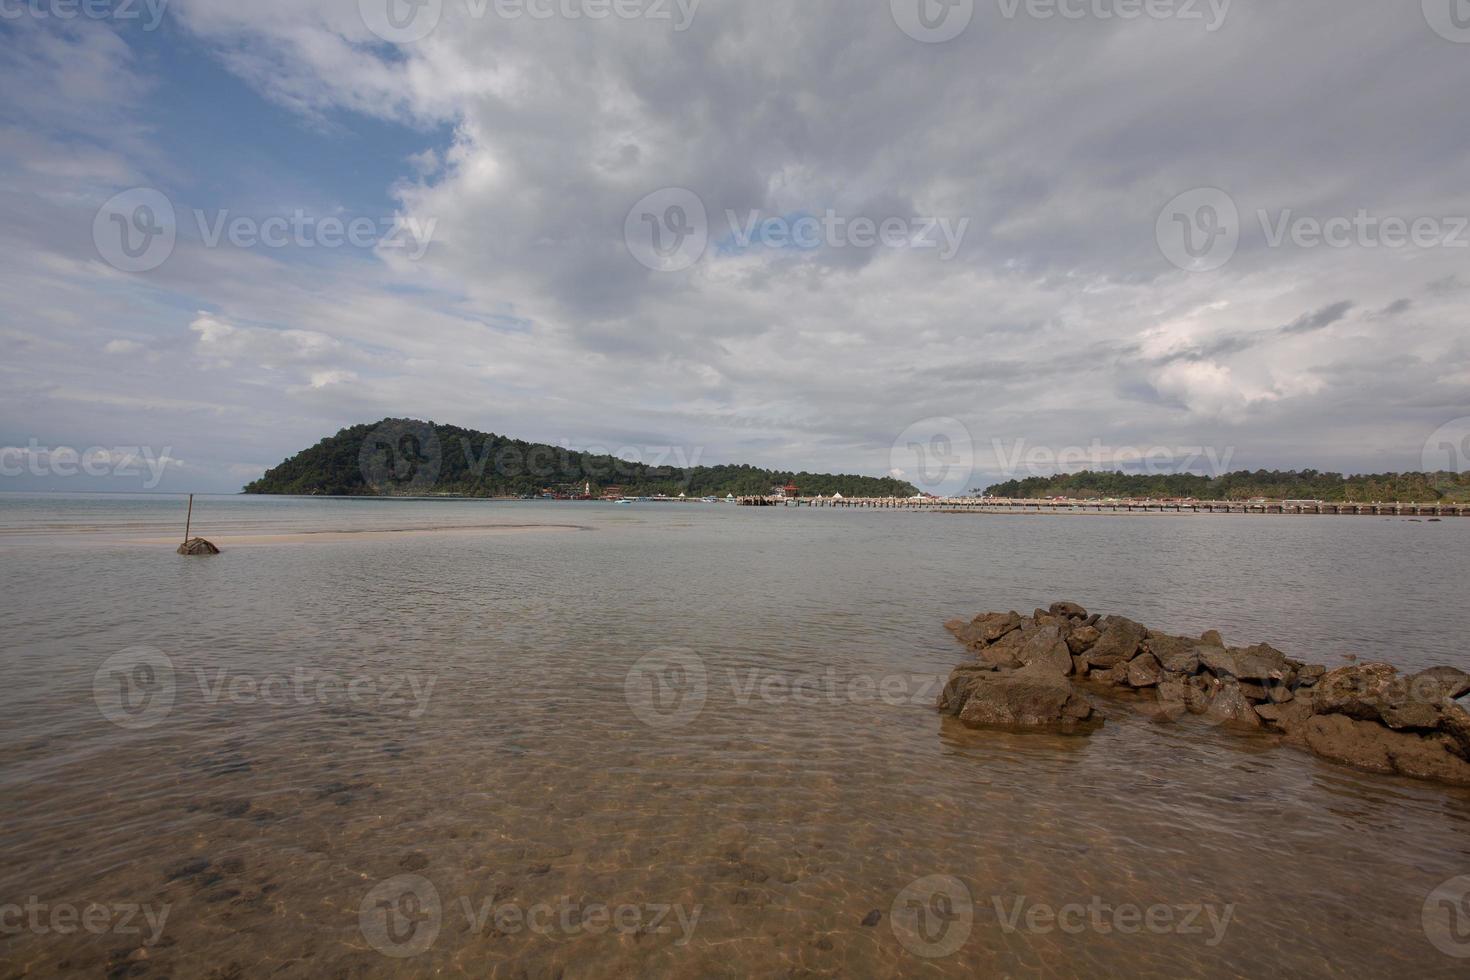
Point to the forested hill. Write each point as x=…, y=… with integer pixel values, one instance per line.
x=1271, y=484
x=404, y=457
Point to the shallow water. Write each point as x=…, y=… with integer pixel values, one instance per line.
x=713, y=722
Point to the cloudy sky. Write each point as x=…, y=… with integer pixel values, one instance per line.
x=820, y=234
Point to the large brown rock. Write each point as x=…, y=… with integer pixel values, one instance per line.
x=1081, y=638
x=1070, y=610
x=1045, y=648
x=1119, y=643
x=1454, y=721
x=1230, y=708
x=993, y=626
x=1437, y=683
x=1257, y=663
x=1033, y=699
x=1176, y=654
x=1143, y=671
x=1368, y=745
x=1006, y=651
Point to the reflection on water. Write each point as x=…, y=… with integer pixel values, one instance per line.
x=696, y=741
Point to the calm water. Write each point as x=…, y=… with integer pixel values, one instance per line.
x=680, y=740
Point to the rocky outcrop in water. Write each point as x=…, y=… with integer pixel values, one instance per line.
x=1035, y=673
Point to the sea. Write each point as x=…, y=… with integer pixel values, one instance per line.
x=382, y=737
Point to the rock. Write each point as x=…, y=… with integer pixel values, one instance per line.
x=1079, y=666
x=957, y=689
x=873, y=918
x=1171, y=692
x=1309, y=674
x=996, y=625
x=1069, y=610
x=1212, y=638
x=1438, y=683
x=1230, y=708
x=1176, y=654
x=1257, y=663
x=1045, y=648
x=1284, y=718
x=1359, y=691
x=1092, y=620
x=1081, y=638
x=1119, y=642
x=956, y=626
x=1143, y=671
x=1032, y=699
x=1006, y=651
x=1454, y=721
x=1416, y=715
x=197, y=546
x=1370, y=746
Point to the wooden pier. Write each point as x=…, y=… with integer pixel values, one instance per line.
x=988, y=505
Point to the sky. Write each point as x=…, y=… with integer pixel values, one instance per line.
x=958, y=241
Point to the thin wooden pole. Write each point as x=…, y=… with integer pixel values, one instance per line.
x=189, y=521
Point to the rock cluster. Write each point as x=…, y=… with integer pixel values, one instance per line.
x=1031, y=674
